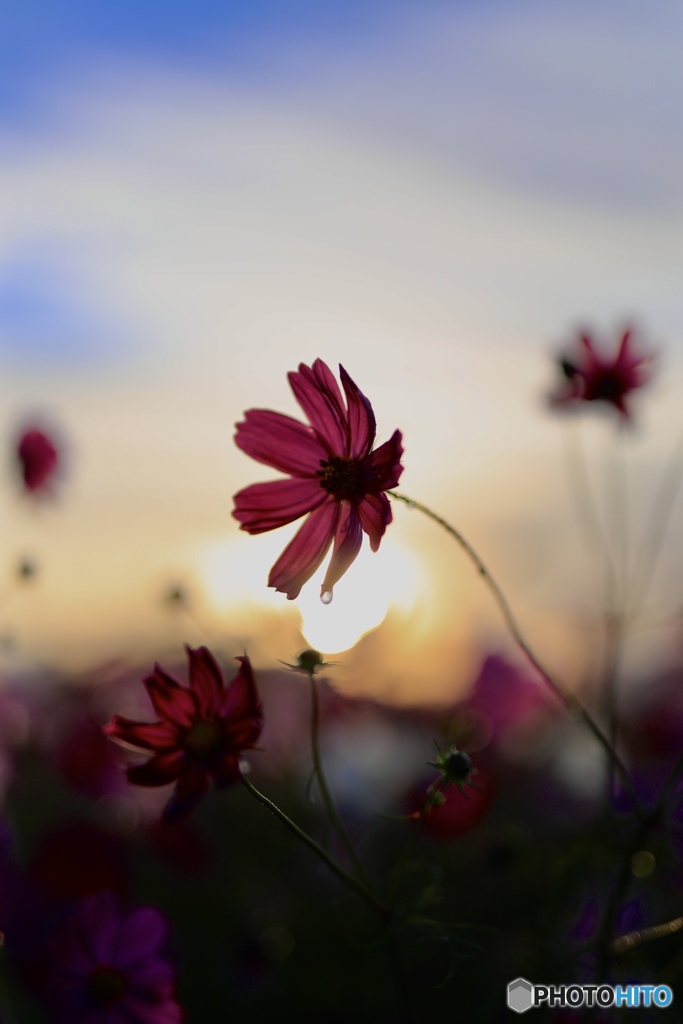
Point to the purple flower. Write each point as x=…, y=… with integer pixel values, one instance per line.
x=335, y=478
x=107, y=967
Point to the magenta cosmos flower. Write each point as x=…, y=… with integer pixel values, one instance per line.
x=38, y=459
x=335, y=478
x=107, y=967
x=202, y=732
x=590, y=376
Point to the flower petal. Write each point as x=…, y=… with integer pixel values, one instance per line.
x=382, y=468
x=241, y=698
x=264, y=507
x=171, y=701
x=280, y=441
x=140, y=936
x=361, y=418
x=162, y=769
x=347, y=542
x=206, y=680
x=318, y=394
x=375, y=515
x=148, y=735
x=305, y=551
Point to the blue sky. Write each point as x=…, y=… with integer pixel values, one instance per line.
x=40, y=39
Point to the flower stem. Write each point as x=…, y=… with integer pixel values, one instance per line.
x=330, y=808
x=570, y=700
x=359, y=887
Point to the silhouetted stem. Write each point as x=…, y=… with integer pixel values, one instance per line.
x=570, y=700
x=332, y=814
x=359, y=887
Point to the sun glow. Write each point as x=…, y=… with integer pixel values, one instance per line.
x=375, y=583
x=234, y=574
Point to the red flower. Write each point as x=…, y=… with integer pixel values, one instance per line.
x=592, y=377
x=203, y=730
x=38, y=459
x=334, y=476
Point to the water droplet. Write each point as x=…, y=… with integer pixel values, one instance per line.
x=410, y=504
x=326, y=597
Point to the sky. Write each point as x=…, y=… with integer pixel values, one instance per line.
x=196, y=198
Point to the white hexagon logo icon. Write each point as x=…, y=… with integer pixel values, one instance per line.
x=520, y=995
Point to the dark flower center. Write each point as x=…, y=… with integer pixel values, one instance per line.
x=342, y=475
x=106, y=985
x=607, y=385
x=204, y=738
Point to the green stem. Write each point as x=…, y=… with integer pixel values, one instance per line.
x=325, y=789
x=570, y=700
x=359, y=887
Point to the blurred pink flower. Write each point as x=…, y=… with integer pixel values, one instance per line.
x=335, y=478
x=38, y=460
x=108, y=968
x=592, y=377
x=202, y=732
x=457, y=811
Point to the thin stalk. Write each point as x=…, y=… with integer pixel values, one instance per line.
x=616, y=596
x=359, y=887
x=570, y=700
x=647, y=558
x=614, y=625
x=638, y=937
x=383, y=913
x=332, y=813
x=586, y=510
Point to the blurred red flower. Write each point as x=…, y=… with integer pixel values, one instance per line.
x=334, y=476
x=457, y=811
x=592, y=377
x=108, y=967
x=203, y=730
x=38, y=459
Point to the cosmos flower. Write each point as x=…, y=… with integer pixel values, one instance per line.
x=107, y=967
x=38, y=459
x=202, y=732
x=335, y=478
x=590, y=376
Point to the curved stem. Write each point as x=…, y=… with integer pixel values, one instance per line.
x=325, y=790
x=359, y=887
x=570, y=700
